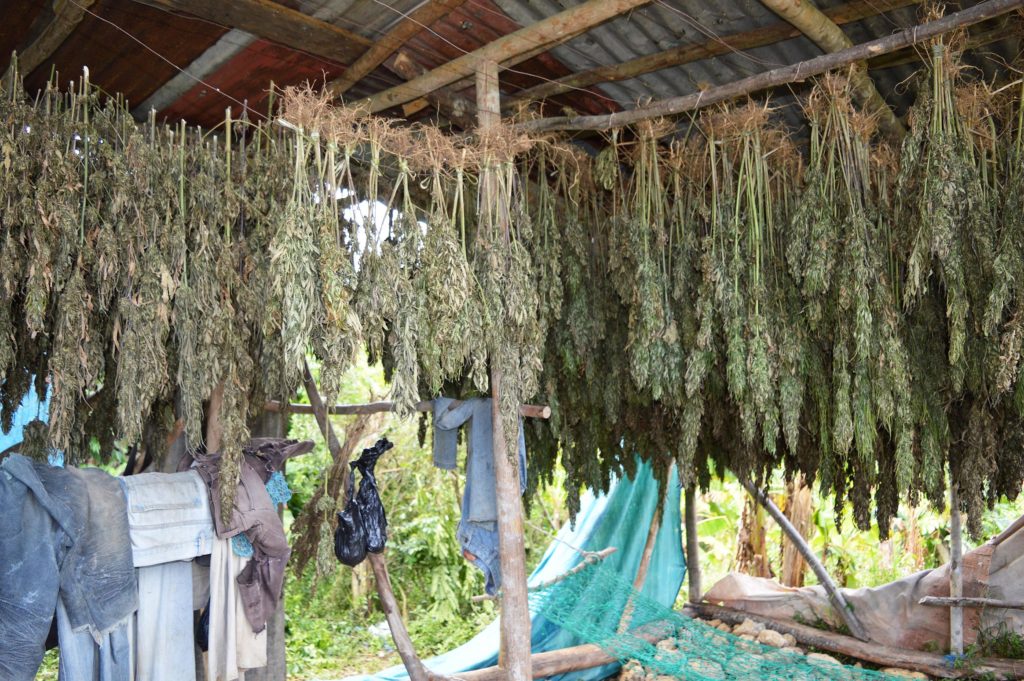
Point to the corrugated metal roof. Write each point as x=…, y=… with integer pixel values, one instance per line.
x=244, y=68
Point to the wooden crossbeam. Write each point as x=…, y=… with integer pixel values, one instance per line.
x=1009, y=29
x=534, y=411
x=391, y=42
x=989, y=9
x=507, y=50
x=66, y=17
x=715, y=47
x=277, y=23
x=827, y=35
x=966, y=602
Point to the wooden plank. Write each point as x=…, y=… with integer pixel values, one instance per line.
x=692, y=547
x=800, y=71
x=278, y=23
x=685, y=54
x=967, y=602
x=508, y=49
x=535, y=411
x=391, y=42
x=933, y=664
x=827, y=35
x=835, y=596
x=514, y=652
x=66, y=17
x=551, y=663
x=956, y=574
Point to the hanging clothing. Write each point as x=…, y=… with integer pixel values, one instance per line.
x=255, y=514
x=63, y=535
x=168, y=517
x=83, y=659
x=478, y=529
x=164, y=635
x=233, y=645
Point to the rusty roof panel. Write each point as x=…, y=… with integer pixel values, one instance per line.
x=16, y=29
x=248, y=75
x=116, y=62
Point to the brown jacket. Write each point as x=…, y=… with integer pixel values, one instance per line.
x=254, y=513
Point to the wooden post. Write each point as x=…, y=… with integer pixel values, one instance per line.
x=269, y=424
x=835, y=596
x=692, y=548
x=400, y=635
x=956, y=577
x=514, y=655
x=645, y=560
x=214, y=424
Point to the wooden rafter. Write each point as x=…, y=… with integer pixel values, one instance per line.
x=391, y=42
x=277, y=23
x=827, y=35
x=1012, y=27
x=507, y=50
x=66, y=17
x=685, y=54
x=989, y=9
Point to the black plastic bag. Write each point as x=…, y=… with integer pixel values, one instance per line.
x=371, y=509
x=362, y=525
x=350, y=537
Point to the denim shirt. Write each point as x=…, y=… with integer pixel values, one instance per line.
x=478, y=530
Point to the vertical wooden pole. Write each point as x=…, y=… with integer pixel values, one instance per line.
x=214, y=424
x=514, y=655
x=835, y=596
x=645, y=560
x=956, y=577
x=271, y=424
x=692, y=548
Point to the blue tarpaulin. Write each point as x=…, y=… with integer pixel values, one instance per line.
x=620, y=519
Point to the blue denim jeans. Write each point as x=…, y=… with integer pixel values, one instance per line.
x=168, y=517
x=63, y=533
x=478, y=531
x=33, y=542
x=83, y=659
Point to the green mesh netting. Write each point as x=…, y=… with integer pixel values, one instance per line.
x=589, y=603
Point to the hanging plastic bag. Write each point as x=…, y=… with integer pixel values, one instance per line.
x=350, y=537
x=371, y=509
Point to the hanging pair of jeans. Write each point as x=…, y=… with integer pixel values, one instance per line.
x=63, y=535
x=478, y=528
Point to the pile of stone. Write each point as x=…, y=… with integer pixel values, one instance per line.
x=755, y=633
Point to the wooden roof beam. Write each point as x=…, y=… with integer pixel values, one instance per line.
x=277, y=23
x=685, y=54
x=824, y=32
x=989, y=9
x=65, y=18
x=508, y=50
x=391, y=42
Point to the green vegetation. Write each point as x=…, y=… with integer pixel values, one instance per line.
x=328, y=619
